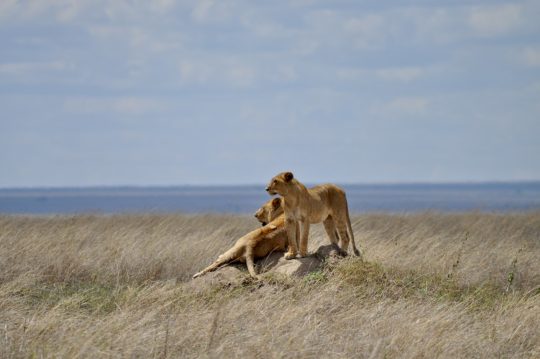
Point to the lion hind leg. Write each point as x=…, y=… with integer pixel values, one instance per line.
x=225, y=258
x=344, y=237
x=331, y=231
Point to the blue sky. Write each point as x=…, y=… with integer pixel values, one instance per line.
x=172, y=92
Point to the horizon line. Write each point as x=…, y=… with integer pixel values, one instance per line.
x=167, y=186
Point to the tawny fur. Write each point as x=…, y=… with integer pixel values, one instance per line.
x=269, y=211
x=325, y=203
x=258, y=243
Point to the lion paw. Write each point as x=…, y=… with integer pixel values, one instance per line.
x=289, y=255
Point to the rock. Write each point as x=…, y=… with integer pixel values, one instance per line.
x=330, y=253
x=269, y=262
x=297, y=267
x=273, y=263
x=330, y=250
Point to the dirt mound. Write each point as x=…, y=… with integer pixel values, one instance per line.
x=274, y=263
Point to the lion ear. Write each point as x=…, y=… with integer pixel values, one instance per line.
x=288, y=176
x=276, y=202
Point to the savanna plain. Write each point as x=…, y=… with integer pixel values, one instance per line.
x=431, y=285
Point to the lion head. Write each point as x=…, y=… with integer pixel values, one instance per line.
x=280, y=183
x=269, y=211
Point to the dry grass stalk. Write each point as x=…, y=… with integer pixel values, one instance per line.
x=118, y=286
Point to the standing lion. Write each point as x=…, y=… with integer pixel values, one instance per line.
x=325, y=203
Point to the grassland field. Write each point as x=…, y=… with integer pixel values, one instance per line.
x=432, y=285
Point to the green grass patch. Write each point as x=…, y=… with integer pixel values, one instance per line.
x=372, y=279
x=317, y=277
x=83, y=297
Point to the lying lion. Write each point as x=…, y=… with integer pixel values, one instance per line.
x=269, y=211
x=325, y=203
x=258, y=243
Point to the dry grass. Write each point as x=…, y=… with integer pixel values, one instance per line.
x=433, y=285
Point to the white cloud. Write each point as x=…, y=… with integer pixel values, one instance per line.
x=144, y=40
x=399, y=74
x=333, y=29
x=65, y=11
x=352, y=74
x=240, y=75
x=28, y=68
x=61, y=10
x=206, y=11
x=192, y=72
x=285, y=73
x=7, y=7
x=495, y=20
x=233, y=72
x=70, y=10
x=201, y=11
x=531, y=57
x=162, y=5
x=367, y=31
x=135, y=105
x=306, y=46
x=401, y=106
x=411, y=105
x=444, y=23
x=439, y=25
x=404, y=74
x=229, y=72
x=119, y=105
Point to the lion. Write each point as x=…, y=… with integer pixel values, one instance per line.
x=271, y=237
x=325, y=203
x=270, y=210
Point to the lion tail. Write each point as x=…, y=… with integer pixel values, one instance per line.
x=351, y=233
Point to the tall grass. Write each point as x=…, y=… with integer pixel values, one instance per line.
x=432, y=285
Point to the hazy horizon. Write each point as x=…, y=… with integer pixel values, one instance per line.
x=262, y=185
x=245, y=199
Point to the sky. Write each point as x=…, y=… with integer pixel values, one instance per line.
x=165, y=92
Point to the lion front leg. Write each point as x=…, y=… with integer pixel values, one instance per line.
x=291, y=227
x=304, y=236
x=250, y=256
